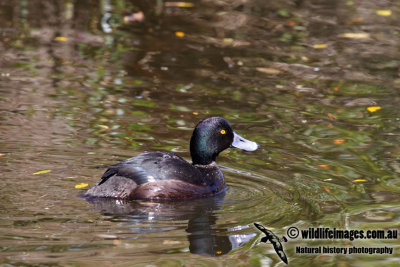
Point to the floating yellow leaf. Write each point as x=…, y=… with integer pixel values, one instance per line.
x=373, y=108
x=320, y=46
x=41, y=172
x=179, y=34
x=179, y=4
x=81, y=185
x=195, y=113
x=103, y=127
x=355, y=35
x=339, y=141
x=359, y=180
x=269, y=71
x=332, y=116
x=337, y=88
x=384, y=12
x=326, y=189
x=61, y=39
x=148, y=203
x=324, y=166
x=228, y=40
x=219, y=252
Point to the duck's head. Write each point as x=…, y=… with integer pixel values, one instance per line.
x=213, y=135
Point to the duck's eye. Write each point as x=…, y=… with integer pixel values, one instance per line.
x=222, y=132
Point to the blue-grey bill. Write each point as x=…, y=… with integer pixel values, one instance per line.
x=242, y=143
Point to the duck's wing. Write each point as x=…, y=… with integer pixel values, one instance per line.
x=121, y=179
x=153, y=166
x=129, y=168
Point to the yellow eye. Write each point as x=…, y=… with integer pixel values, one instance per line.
x=223, y=132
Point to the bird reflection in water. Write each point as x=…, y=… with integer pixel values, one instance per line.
x=203, y=235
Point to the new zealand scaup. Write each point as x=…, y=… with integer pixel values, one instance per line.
x=166, y=176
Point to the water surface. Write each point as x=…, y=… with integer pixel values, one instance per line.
x=315, y=83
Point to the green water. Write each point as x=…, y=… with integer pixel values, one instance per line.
x=315, y=83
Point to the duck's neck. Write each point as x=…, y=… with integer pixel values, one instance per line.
x=200, y=157
x=200, y=153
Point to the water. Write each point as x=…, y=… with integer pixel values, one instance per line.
x=315, y=83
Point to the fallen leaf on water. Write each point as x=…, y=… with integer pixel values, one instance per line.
x=326, y=189
x=332, y=116
x=359, y=19
x=384, y=12
x=269, y=70
x=2, y=155
x=219, y=252
x=179, y=34
x=291, y=23
x=337, y=88
x=324, y=166
x=42, y=172
x=339, y=141
x=103, y=127
x=373, y=108
x=148, y=203
x=61, y=39
x=178, y=4
x=359, y=180
x=320, y=46
x=228, y=40
x=355, y=35
x=81, y=185
x=195, y=113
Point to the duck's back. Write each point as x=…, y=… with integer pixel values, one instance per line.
x=158, y=175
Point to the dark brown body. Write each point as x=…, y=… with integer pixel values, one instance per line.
x=160, y=176
x=166, y=176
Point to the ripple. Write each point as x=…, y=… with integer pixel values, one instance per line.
x=254, y=198
x=213, y=226
x=376, y=215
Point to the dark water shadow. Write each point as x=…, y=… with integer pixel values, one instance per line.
x=204, y=236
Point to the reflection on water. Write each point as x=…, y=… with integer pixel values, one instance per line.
x=201, y=216
x=86, y=83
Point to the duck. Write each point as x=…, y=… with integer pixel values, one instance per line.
x=166, y=176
